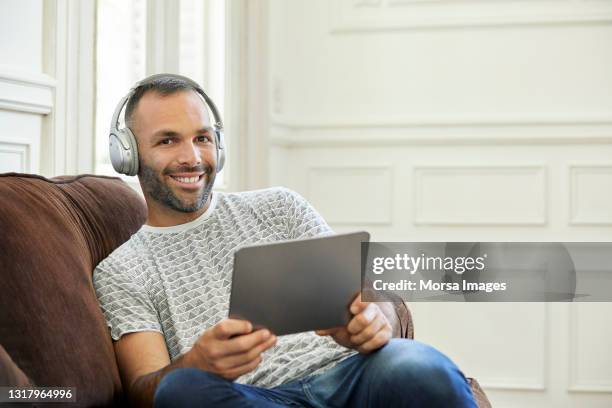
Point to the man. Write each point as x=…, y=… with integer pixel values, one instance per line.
x=165, y=292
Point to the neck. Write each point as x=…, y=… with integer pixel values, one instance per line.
x=161, y=216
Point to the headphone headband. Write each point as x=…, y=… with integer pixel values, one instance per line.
x=208, y=101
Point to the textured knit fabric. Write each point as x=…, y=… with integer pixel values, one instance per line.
x=177, y=280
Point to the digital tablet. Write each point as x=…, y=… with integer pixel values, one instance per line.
x=296, y=286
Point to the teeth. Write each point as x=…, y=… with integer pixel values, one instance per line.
x=187, y=179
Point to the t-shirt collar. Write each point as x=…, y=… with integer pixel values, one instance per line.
x=186, y=226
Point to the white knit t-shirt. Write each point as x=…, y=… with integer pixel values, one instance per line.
x=177, y=280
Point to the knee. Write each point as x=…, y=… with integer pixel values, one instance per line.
x=182, y=387
x=408, y=366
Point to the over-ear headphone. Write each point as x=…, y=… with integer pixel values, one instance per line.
x=122, y=143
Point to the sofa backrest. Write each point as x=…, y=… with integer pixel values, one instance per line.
x=53, y=232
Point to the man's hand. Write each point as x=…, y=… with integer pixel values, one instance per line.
x=230, y=348
x=367, y=331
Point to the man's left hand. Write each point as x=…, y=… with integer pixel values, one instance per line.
x=367, y=331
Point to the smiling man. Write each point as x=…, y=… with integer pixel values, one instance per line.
x=165, y=292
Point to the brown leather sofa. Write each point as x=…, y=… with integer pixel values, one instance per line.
x=53, y=233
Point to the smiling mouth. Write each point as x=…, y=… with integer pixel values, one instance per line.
x=188, y=180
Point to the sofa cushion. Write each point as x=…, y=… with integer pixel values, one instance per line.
x=53, y=233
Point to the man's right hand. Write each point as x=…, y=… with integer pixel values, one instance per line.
x=230, y=348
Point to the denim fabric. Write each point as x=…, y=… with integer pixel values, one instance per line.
x=403, y=373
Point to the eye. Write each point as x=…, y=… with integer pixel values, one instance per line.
x=166, y=141
x=204, y=139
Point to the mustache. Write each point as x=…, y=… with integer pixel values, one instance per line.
x=186, y=169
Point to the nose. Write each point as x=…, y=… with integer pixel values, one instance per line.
x=190, y=155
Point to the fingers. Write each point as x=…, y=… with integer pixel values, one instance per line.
x=224, y=344
x=343, y=338
x=357, y=305
x=327, y=332
x=380, y=339
x=245, y=342
x=231, y=327
x=235, y=361
x=369, y=331
x=230, y=348
x=363, y=319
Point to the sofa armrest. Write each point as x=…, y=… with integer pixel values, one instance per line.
x=406, y=329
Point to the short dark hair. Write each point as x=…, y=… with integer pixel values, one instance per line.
x=163, y=86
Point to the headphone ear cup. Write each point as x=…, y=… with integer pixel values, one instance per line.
x=115, y=149
x=132, y=159
x=124, y=152
x=220, y=150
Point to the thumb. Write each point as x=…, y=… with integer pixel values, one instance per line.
x=357, y=306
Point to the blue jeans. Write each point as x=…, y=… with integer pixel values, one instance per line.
x=403, y=373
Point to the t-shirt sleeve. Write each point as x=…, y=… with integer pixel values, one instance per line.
x=303, y=220
x=125, y=301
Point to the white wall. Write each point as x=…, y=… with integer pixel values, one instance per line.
x=25, y=91
x=466, y=120
x=46, y=86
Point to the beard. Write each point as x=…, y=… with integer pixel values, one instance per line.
x=157, y=189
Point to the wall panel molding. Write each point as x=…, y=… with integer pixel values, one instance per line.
x=480, y=195
x=587, y=200
x=373, y=16
x=472, y=120
x=483, y=341
x=576, y=385
x=20, y=152
x=28, y=92
x=481, y=129
x=537, y=383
